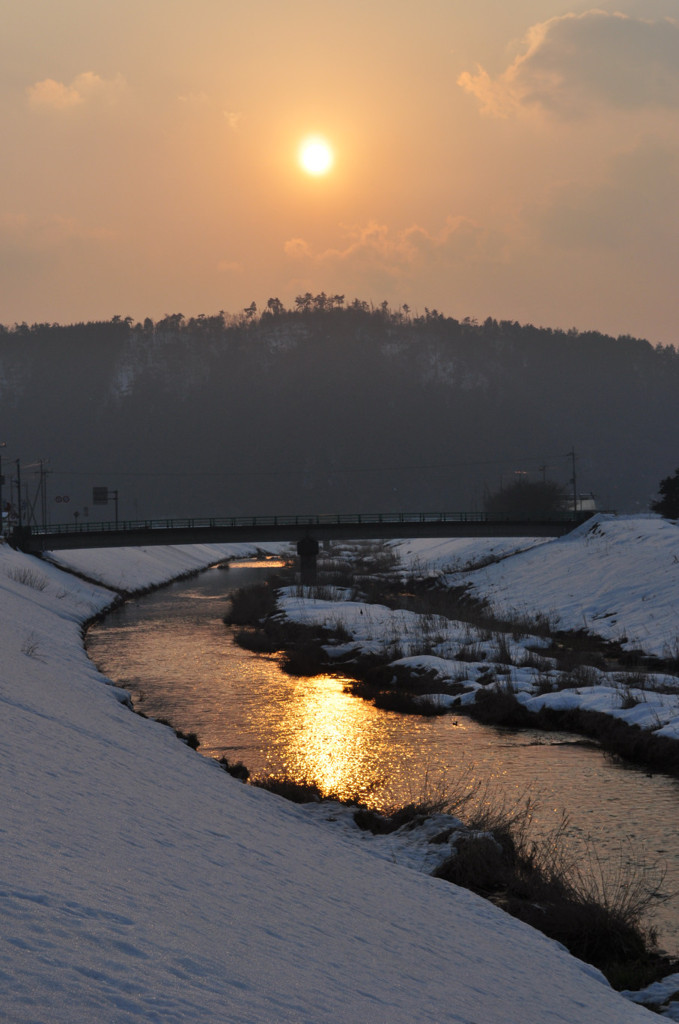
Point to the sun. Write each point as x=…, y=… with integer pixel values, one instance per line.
x=316, y=156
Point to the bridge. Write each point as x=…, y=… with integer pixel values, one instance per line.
x=298, y=529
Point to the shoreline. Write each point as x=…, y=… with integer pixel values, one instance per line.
x=121, y=804
x=301, y=793
x=403, y=689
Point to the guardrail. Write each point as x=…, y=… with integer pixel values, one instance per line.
x=235, y=522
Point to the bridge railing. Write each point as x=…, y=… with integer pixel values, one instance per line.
x=234, y=522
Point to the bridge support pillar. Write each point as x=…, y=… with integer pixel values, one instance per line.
x=307, y=549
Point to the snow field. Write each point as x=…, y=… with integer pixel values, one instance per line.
x=140, y=883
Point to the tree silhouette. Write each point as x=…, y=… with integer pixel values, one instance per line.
x=668, y=504
x=275, y=307
x=527, y=500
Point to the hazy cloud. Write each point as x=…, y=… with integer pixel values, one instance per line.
x=194, y=99
x=233, y=119
x=577, y=61
x=46, y=233
x=204, y=105
x=85, y=88
x=398, y=252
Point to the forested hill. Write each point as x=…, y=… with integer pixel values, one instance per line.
x=329, y=407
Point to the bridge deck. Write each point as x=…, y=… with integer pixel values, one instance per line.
x=254, y=529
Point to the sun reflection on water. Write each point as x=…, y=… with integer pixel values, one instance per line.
x=176, y=657
x=347, y=747
x=252, y=563
x=326, y=737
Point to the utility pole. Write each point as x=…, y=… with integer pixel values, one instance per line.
x=3, y=444
x=43, y=492
x=21, y=521
x=571, y=454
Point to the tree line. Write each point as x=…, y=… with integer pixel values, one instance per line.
x=309, y=308
x=336, y=404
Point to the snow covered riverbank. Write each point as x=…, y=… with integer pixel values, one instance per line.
x=613, y=577
x=616, y=576
x=140, y=883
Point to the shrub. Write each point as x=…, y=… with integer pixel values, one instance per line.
x=237, y=769
x=190, y=738
x=596, y=911
x=250, y=605
x=259, y=641
x=434, y=797
x=27, y=577
x=290, y=789
x=503, y=651
x=470, y=652
x=668, y=503
x=404, y=702
x=671, y=654
x=497, y=705
x=526, y=499
x=407, y=817
x=31, y=646
x=305, y=658
x=532, y=659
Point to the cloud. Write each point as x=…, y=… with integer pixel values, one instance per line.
x=577, y=62
x=85, y=88
x=42, y=234
x=398, y=252
x=194, y=99
x=204, y=105
x=234, y=119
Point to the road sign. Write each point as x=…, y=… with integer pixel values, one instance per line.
x=100, y=495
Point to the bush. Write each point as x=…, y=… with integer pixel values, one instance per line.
x=503, y=649
x=250, y=605
x=668, y=503
x=497, y=705
x=259, y=641
x=408, y=817
x=527, y=500
x=596, y=912
x=27, y=577
x=190, y=738
x=237, y=769
x=31, y=646
x=290, y=789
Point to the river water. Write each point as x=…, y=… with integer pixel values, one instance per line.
x=173, y=652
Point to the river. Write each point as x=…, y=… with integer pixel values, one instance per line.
x=173, y=652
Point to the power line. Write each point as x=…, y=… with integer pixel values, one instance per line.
x=522, y=459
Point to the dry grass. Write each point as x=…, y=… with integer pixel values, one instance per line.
x=599, y=910
x=291, y=789
x=27, y=577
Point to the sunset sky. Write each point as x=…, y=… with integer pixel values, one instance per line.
x=510, y=159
